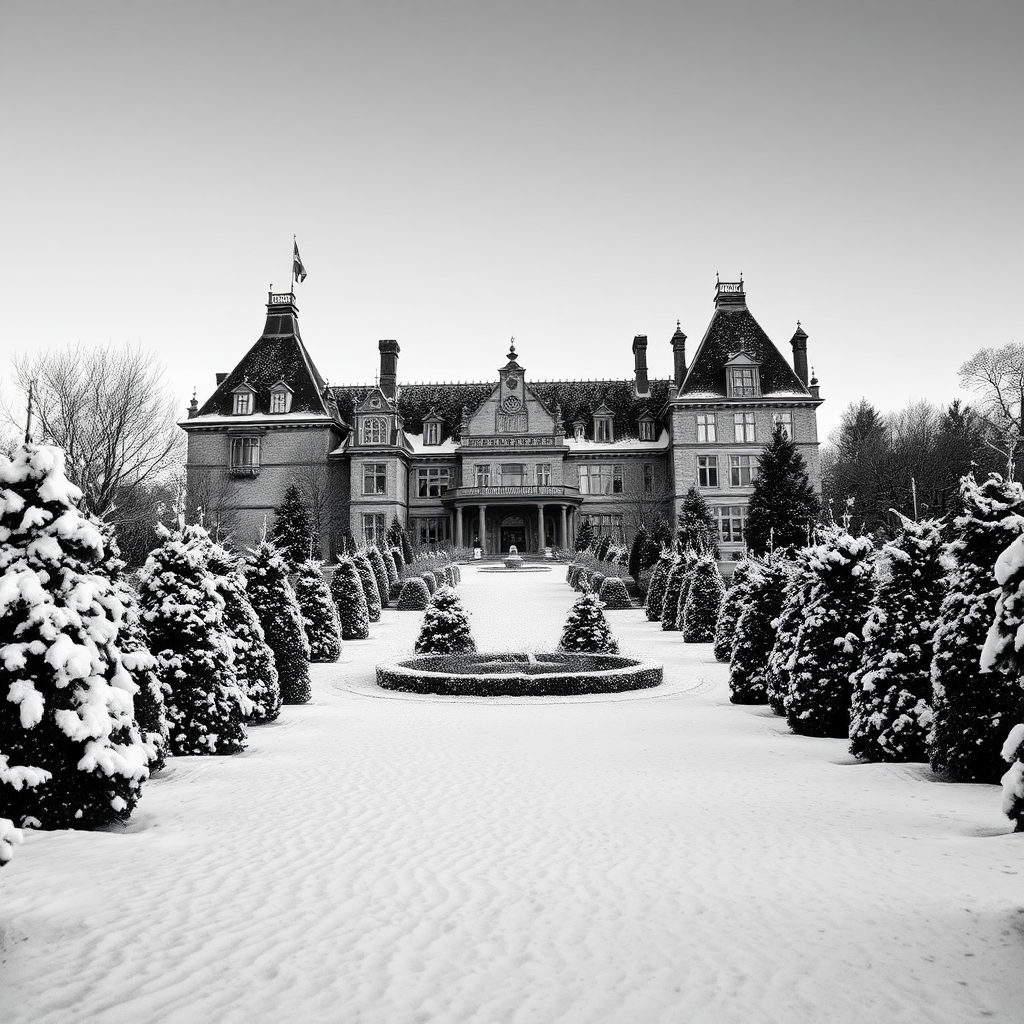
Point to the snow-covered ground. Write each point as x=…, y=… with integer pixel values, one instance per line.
x=661, y=856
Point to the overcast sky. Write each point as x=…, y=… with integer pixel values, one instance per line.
x=571, y=173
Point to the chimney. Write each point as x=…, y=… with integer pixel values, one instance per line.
x=799, y=343
x=388, y=367
x=730, y=296
x=221, y=377
x=643, y=387
x=678, y=356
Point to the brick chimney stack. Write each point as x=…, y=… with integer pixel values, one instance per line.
x=643, y=386
x=389, y=367
x=678, y=356
x=799, y=343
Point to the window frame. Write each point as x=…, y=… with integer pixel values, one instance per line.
x=707, y=475
x=482, y=474
x=604, y=429
x=433, y=481
x=743, y=470
x=744, y=428
x=432, y=433
x=785, y=417
x=542, y=474
x=732, y=523
x=743, y=382
x=242, y=444
x=243, y=404
x=373, y=535
x=707, y=431
x=370, y=426
x=379, y=473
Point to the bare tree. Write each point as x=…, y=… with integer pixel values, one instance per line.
x=110, y=412
x=996, y=375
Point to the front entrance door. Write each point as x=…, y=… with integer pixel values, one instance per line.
x=513, y=531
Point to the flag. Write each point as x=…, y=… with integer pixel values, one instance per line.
x=298, y=270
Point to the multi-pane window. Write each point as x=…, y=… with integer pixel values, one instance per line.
x=742, y=470
x=732, y=523
x=707, y=470
x=606, y=526
x=648, y=478
x=432, y=433
x=743, y=423
x=543, y=474
x=279, y=401
x=433, y=482
x=744, y=381
x=243, y=403
x=598, y=479
x=513, y=474
x=647, y=430
x=245, y=454
x=374, y=527
x=375, y=430
x=483, y=476
x=375, y=478
x=431, y=530
x=785, y=419
x=706, y=430
x=603, y=428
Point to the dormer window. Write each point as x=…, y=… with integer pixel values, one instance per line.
x=243, y=400
x=432, y=433
x=743, y=382
x=375, y=430
x=578, y=428
x=280, y=398
x=647, y=429
x=603, y=420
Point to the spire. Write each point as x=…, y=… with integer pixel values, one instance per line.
x=799, y=343
x=678, y=356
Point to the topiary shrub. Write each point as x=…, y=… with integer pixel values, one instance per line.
x=274, y=602
x=800, y=580
x=350, y=597
x=390, y=568
x=369, y=582
x=430, y=579
x=596, y=580
x=586, y=629
x=670, y=599
x=319, y=613
x=690, y=561
x=414, y=596
x=583, y=578
x=456, y=574
x=703, y=599
x=380, y=573
x=755, y=633
x=445, y=628
x=731, y=608
x=613, y=594
x=399, y=559
x=293, y=534
x=656, y=589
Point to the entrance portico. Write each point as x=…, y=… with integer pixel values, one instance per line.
x=495, y=518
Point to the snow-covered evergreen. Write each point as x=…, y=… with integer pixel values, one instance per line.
x=183, y=614
x=445, y=628
x=656, y=588
x=799, y=581
x=754, y=636
x=71, y=754
x=586, y=630
x=1013, y=781
x=380, y=572
x=731, y=608
x=830, y=637
x=696, y=527
x=690, y=559
x=973, y=710
x=670, y=598
x=9, y=835
x=368, y=579
x=273, y=599
x=398, y=558
x=293, y=533
x=392, y=570
x=350, y=597
x=613, y=594
x=892, y=686
x=703, y=600
x=319, y=613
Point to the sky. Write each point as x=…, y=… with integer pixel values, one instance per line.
x=568, y=173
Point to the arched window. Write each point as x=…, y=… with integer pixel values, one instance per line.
x=375, y=430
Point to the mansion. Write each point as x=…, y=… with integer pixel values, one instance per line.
x=509, y=461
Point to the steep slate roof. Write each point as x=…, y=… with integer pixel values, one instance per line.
x=732, y=331
x=278, y=355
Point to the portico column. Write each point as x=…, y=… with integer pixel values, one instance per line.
x=540, y=527
x=563, y=541
x=482, y=528
x=458, y=527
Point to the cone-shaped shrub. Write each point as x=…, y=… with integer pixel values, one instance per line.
x=732, y=606
x=596, y=582
x=1013, y=780
x=292, y=534
x=445, y=628
x=670, y=599
x=583, y=579
x=830, y=638
x=380, y=572
x=392, y=570
x=656, y=589
x=456, y=574
x=892, y=686
x=800, y=581
x=586, y=629
x=414, y=596
x=254, y=661
x=430, y=579
x=613, y=594
x=273, y=600
x=71, y=755
x=973, y=711
x=690, y=558
x=765, y=590
x=703, y=599
x=184, y=619
x=350, y=597
x=369, y=584
x=399, y=559
x=319, y=613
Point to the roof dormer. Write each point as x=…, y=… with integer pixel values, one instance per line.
x=280, y=398
x=604, y=424
x=243, y=400
x=647, y=427
x=742, y=376
x=433, y=428
x=375, y=419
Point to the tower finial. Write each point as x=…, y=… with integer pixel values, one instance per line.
x=512, y=349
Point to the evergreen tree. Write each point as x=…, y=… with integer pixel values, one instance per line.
x=696, y=527
x=830, y=637
x=319, y=613
x=394, y=534
x=754, y=633
x=783, y=504
x=584, y=535
x=892, y=686
x=1013, y=781
x=973, y=711
x=690, y=559
x=800, y=581
x=71, y=754
x=406, y=545
x=703, y=599
x=414, y=596
x=400, y=563
x=637, y=552
x=445, y=628
x=430, y=579
x=184, y=619
x=586, y=630
x=390, y=566
x=350, y=597
x=613, y=594
x=273, y=600
x=369, y=583
x=293, y=533
x=656, y=588
x=673, y=588
x=732, y=606
x=380, y=572
x=254, y=660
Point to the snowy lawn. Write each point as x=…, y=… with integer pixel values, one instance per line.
x=657, y=856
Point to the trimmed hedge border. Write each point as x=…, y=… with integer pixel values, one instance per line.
x=583, y=673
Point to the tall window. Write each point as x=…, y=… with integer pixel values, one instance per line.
x=742, y=470
x=375, y=478
x=245, y=455
x=431, y=529
x=433, y=482
x=744, y=426
x=483, y=476
x=647, y=430
x=598, y=479
x=786, y=419
x=513, y=474
x=648, y=478
x=543, y=474
x=744, y=381
x=603, y=428
x=375, y=430
x=732, y=523
x=432, y=433
x=706, y=428
x=374, y=527
x=243, y=403
x=607, y=526
x=280, y=401
x=707, y=470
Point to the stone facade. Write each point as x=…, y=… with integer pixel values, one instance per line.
x=515, y=461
